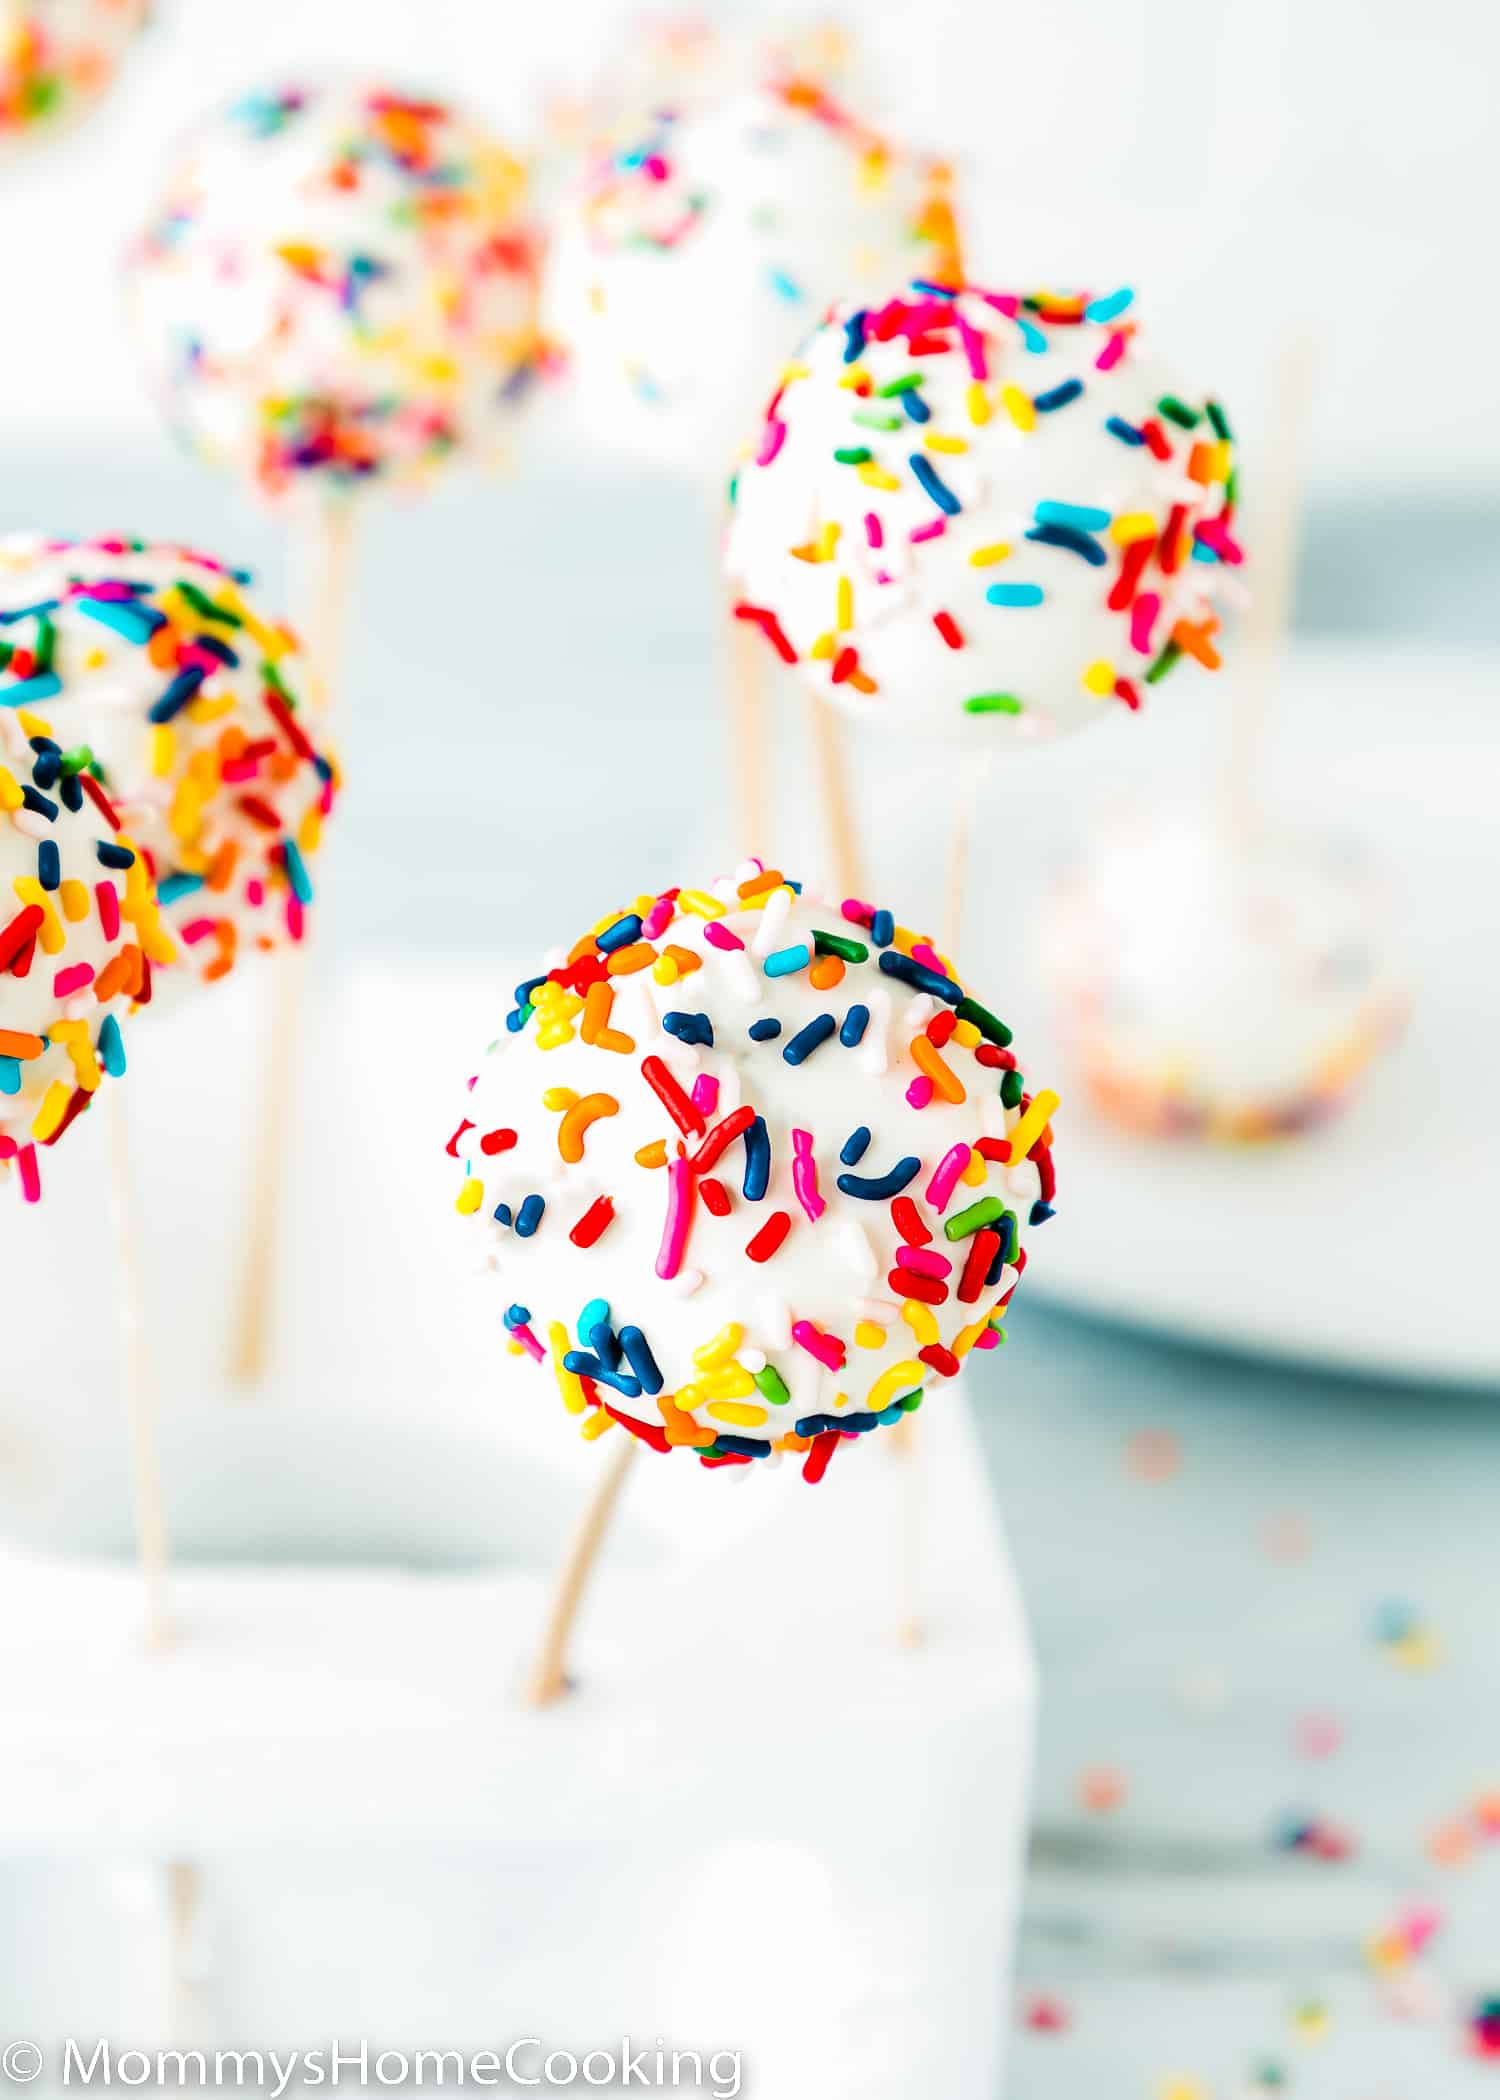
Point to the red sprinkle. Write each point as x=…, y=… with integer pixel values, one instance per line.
x=815, y=1465
x=941, y=1360
x=907, y=1284
x=908, y=1222
x=495, y=1141
x=1132, y=568
x=940, y=1028
x=648, y=1432
x=594, y=1223
x=983, y=1248
x=20, y=933
x=1126, y=691
x=100, y=800
x=721, y=1137
x=451, y=1148
x=687, y=1117
x=715, y=1196
x=770, y=627
x=770, y=1236
x=845, y=664
x=949, y=629
x=1156, y=439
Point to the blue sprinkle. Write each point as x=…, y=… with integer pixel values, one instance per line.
x=178, y=694
x=112, y=1047
x=757, y=1160
x=690, y=1028
x=1109, y=306
x=882, y=928
x=175, y=887
x=296, y=872
x=787, y=960
x=1057, y=396
x=996, y=1267
x=934, y=483
x=523, y=992
x=855, y=1146
x=765, y=1031
x=858, y=1423
x=741, y=1447
x=1032, y=336
x=919, y=977
x=878, y=1188
x=638, y=1355
x=1125, y=432
x=112, y=856
x=48, y=864
x=1014, y=594
x=10, y=1075
x=529, y=1216
x=29, y=690
x=582, y=1365
x=596, y=1310
x=42, y=805
x=621, y=934
x=518, y=1316
x=936, y=291
x=1074, y=542
x=48, y=762
x=501, y=1213
x=126, y=616
x=517, y=1018
x=1041, y=1212
x=854, y=336
x=1005, y=1225
x=915, y=406
x=605, y=1344
x=1081, y=515
x=787, y=287
x=71, y=790
x=808, y=1039
x=856, y=1021
x=29, y=612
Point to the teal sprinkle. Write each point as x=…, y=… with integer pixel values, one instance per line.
x=112, y=1048
x=296, y=872
x=1110, y=306
x=1014, y=594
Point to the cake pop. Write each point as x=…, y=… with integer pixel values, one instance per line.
x=337, y=285
x=974, y=512
x=81, y=934
x=692, y=258
x=187, y=701
x=1217, y=987
x=57, y=57
x=752, y=1171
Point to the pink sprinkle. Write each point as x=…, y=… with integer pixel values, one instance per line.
x=240, y=769
x=674, y=1230
x=197, y=930
x=884, y=576
x=654, y=166
x=717, y=934
x=31, y=1180
x=658, y=919
x=990, y=1339
x=805, y=1175
x=827, y=1348
x=255, y=893
x=296, y=919
x=923, y=1261
x=932, y=531
x=772, y=438
x=874, y=530
x=856, y=913
x=706, y=1093
x=107, y=897
x=1111, y=354
x=1142, y=619
x=1007, y=303
x=973, y=343
x=1214, y=533
x=919, y=1093
x=66, y=982
x=946, y=1175
x=923, y=952
x=529, y=1343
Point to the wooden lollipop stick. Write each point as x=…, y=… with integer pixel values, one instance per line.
x=749, y=734
x=142, y=1407
x=549, y=1678
x=1263, y=632
x=323, y=565
x=184, y=1906
x=966, y=793
x=840, y=835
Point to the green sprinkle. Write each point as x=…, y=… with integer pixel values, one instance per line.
x=909, y=1402
x=838, y=944
x=276, y=682
x=1012, y=1087
x=79, y=760
x=45, y=646
x=773, y=1386
x=994, y=704
x=1178, y=412
x=1163, y=663
x=205, y=607
x=872, y=419
x=852, y=455
x=989, y=1025
x=903, y=385
x=1001, y=1337
x=1219, y=420
x=984, y=1212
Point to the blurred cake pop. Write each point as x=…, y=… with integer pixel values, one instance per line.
x=1212, y=987
x=337, y=285
x=57, y=57
x=975, y=512
x=80, y=930
x=692, y=258
x=742, y=1161
x=154, y=663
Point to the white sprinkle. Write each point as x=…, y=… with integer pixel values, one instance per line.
x=753, y=1359
x=853, y=1244
x=685, y=1282
x=919, y=1012
x=773, y=917
x=875, y=1051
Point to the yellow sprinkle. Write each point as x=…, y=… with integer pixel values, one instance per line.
x=947, y=444
x=611, y=918
x=824, y=647
x=966, y=1035
x=557, y=1097
x=32, y=724
x=664, y=970
x=980, y=406
x=73, y=896
x=900, y=1378
x=828, y=539
x=568, y=1385
x=876, y=477
x=715, y=1354
x=470, y=1196
x=54, y=1107
x=652, y=1155
x=739, y=1412
x=596, y=1425
x=10, y=791
x=50, y=932
x=1024, y=1134
x=1132, y=525
x=966, y=1337
x=700, y=904
x=857, y=376
x=1099, y=678
x=844, y=615
x=986, y=557
x=868, y=1336
x=1018, y=407
x=95, y=660
x=921, y=1320
x=732, y=1383
x=976, y=1172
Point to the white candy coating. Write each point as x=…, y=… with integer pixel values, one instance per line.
x=879, y=564
x=1212, y=990
x=336, y=284
x=689, y=264
x=833, y=1270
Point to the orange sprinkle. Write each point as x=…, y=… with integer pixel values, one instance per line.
x=826, y=972
x=928, y=1060
x=758, y=885
x=624, y=962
